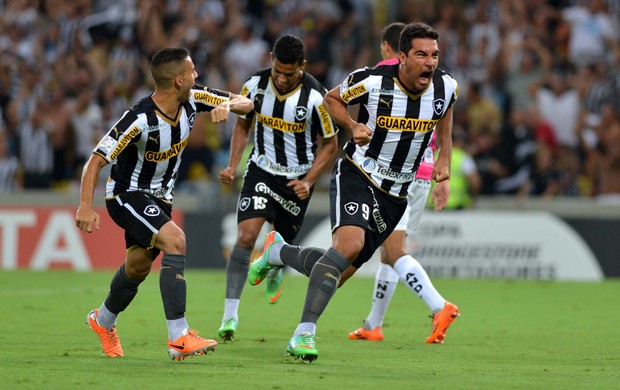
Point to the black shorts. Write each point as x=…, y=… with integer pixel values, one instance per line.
x=267, y=196
x=355, y=201
x=141, y=216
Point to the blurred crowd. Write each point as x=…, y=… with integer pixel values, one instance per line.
x=539, y=83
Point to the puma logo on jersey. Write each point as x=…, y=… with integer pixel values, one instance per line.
x=386, y=102
x=154, y=139
x=124, y=141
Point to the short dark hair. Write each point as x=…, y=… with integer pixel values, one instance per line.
x=167, y=63
x=391, y=34
x=412, y=31
x=289, y=49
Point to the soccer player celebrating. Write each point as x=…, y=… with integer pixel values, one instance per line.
x=402, y=105
x=290, y=123
x=396, y=263
x=145, y=146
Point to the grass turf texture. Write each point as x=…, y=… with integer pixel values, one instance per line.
x=526, y=335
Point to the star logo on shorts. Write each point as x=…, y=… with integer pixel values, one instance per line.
x=244, y=204
x=351, y=208
x=152, y=211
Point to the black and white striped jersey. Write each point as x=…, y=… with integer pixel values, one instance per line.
x=9, y=169
x=146, y=145
x=401, y=123
x=286, y=127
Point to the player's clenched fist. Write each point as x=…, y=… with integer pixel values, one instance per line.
x=220, y=113
x=86, y=218
x=227, y=175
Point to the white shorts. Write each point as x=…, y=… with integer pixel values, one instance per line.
x=416, y=202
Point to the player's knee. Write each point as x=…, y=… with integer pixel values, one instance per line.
x=350, y=248
x=246, y=240
x=177, y=245
x=389, y=255
x=138, y=270
x=172, y=240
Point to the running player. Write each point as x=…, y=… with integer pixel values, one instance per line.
x=402, y=105
x=289, y=123
x=145, y=146
x=395, y=261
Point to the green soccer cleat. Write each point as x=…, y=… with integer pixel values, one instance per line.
x=260, y=267
x=303, y=346
x=228, y=329
x=273, y=289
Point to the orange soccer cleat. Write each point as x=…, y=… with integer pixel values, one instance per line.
x=441, y=322
x=190, y=344
x=362, y=333
x=109, y=338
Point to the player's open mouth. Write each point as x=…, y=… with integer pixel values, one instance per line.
x=425, y=77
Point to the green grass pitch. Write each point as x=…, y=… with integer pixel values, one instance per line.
x=511, y=335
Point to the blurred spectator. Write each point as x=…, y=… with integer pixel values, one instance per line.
x=481, y=111
x=526, y=63
x=10, y=169
x=485, y=154
x=465, y=181
x=516, y=151
x=87, y=123
x=198, y=159
x=571, y=176
x=55, y=112
x=245, y=54
x=593, y=32
x=543, y=132
x=604, y=161
x=559, y=105
x=36, y=152
x=543, y=180
x=596, y=87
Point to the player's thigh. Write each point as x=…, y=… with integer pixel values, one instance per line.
x=289, y=220
x=387, y=211
x=351, y=197
x=256, y=195
x=268, y=197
